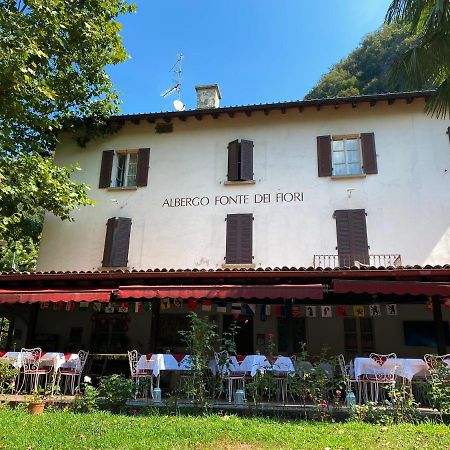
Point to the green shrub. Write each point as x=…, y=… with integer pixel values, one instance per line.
x=113, y=392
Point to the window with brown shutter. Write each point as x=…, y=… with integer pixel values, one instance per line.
x=117, y=241
x=346, y=155
x=240, y=160
x=124, y=168
x=239, y=245
x=351, y=232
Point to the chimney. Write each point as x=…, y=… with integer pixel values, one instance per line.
x=208, y=96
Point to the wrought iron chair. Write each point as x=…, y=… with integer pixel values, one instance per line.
x=31, y=369
x=383, y=375
x=72, y=375
x=140, y=377
x=228, y=374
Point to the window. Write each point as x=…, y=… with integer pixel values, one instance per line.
x=358, y=337
x=421, y=333
x=128, y=168
x=117, y=241
x=240, y=160
x=346, y=158
x=349, y=155
x=124, y=172
x=351, y=234
x=239, y=248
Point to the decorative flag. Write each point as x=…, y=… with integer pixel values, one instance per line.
x=250, y=309
x=375, y=310
x=123, y=308
x=280, y=310
x=148, y=306
x=58, y=306
x=264, y=311
x=236, y=310
x=310, y=311
x=45, y=305
x=429, y=305
x=206, y=305
x=221, y=307
x=83, y=306
x=296, y=311
x=96, y=306
x=342, y=311
x=192, y=303
x=138, y=307
x=177, y=303
x=326, y=311
x=109, y=308
x=165, y=303
x=70, y=306
x=358, y=311
x=446, y=302
x=391, y=310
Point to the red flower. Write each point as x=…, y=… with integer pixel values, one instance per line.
x=324, y=404
x=338, y=393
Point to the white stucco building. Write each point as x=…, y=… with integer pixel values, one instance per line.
x=308, y=194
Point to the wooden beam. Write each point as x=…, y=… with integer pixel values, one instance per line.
x=300, y=109
x=150, y=120
x=337, y=106
x=318, y=107
x=409, y=100
x=373, y=103
x=266, y=112
x=354, y=105
x=283, y=110
x=391, y=101
x=167, y=119
x=248, y=113
x=198, y=116
x=439, y=326
x=182, y=118
x=136, y=121
x=215, y=115
x=230, y=114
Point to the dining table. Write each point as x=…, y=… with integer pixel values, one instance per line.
x=56, y=360
x=407, y=368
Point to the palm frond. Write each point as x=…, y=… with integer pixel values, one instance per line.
x=438, y=105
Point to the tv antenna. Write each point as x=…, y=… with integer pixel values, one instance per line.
x=177, y=70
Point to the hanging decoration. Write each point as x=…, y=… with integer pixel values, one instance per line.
x=177, y=303
x=192, y=303
x=326, y=311
x=280, y=310
x=44, y=305
x=123, y=308
x=375, y=310
x=83, y=306
x=165, y=304
x=342, y=311
x=138, y=307
x=359, y=311
x=296, y=311
x=391, y=310
x=221, y=307
x=310, y=311
x=250, y=309
x=109, y=308
x=207, y=305
x=236, y=310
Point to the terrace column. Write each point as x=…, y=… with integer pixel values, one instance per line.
x=289, y=328
x=154, y=330
x=439, y=325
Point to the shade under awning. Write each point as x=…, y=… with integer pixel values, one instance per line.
x=54, y=295
x=312, y=291
x=391, y=287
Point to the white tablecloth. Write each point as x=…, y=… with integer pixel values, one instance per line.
x=283, y=364
x=54, y=359
x=165, y=361
x=251, y=364
x=402, y=367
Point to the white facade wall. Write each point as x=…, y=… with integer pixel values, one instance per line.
x=407, y=202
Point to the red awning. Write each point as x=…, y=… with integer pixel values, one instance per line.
x=54, y=295
x=391, y=287
x=312, y=291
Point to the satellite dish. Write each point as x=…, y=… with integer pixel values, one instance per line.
x=179, y=105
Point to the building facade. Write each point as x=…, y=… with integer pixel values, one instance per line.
x=360, y=183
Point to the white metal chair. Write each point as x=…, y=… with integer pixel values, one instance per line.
x=349, y=378
x=228, y=373
x=31, y=369
x=72, y=374
x=383, y=375
x=281, y=370
x=140, y=377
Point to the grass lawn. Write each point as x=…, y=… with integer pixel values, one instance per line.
x=65, y=430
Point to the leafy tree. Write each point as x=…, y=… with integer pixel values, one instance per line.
x=53, y=55
x=428, y=60
x=366, y=69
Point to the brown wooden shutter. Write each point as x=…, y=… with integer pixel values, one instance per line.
x=246, y=159
x=142, y=166
x=239, y=246
x=233, y=160
x=117, y=242
x=106, y=169
x=351, y=234
x=324, y=156
x=369, y=155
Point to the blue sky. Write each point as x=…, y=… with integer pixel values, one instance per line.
x=257, y=51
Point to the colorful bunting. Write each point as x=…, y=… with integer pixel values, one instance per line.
x=177, y=303
x=207, y=305
x=96, y=307
x=123, y=308
x=250, y=309
x=45, y=305
x=280, y=310
x=446, y=302
x=165, y=303
x=83, y=306
x=310, y=311
x=138, y=307
x=221, y=307
x=358, y=311
x=391, y=310
x=264, y=311
x=342, y=311
x=236, y=310
x=375, y=310
x=109, y=308
x=192, y=303
x=69, y=306
x=58, y=306
x=326, y=311
x=296, y=311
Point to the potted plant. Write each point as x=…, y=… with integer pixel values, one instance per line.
x=37, y=400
